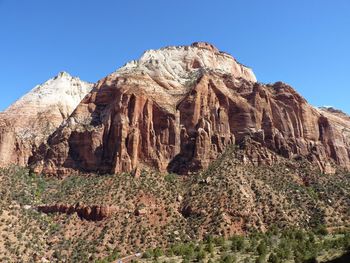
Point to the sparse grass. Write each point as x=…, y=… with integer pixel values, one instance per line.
x=218, y=205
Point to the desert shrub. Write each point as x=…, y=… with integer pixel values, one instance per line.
x=210, y=248
x=261, y=248
x=171, y=178
x=321, y=230
x=219, y=241
x=201, y=254
x=273, y=258
x=148, y=254
x=261, y=259
x=228, y=259
x=237, y=243
x=157, y=252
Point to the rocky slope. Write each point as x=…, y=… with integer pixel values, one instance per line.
x=232, y=197
x=84, y=218
x=177, y=108
x=29, y=121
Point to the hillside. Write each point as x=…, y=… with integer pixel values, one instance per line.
x=82, y=217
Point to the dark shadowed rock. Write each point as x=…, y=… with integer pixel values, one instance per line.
x=93, y=213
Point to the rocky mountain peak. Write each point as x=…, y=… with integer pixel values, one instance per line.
x=62, y=92
x=181, y=63
x=63, y=74
x=205, y=45
x=333, y=110
x=30, y=120
x=62, y=89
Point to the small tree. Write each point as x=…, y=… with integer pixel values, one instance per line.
x=147, y=254
x=228, y=259
x=237, y=243
x=262, y=249
x=321, y=230
x=201, y=255
x=261, y=259
x=273, y=258
x=157, y=252
x=210, y=248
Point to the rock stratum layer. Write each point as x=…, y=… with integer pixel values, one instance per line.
x=27, y=123
x=94, y=212
x=177, y=108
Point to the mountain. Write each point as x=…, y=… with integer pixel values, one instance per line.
x=176, y=109
x=199, y=160
x=27, y=123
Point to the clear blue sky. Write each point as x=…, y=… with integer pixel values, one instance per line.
x=305, y=43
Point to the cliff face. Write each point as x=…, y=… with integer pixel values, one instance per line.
x=177, y=108
x=28, y=122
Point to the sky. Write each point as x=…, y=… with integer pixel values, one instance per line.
x=305, y=43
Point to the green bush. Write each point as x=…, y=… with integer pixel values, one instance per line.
x=237, y=243
x=261, y=259
x=147, y=254
x=171, y=178
x=157, y=253
x=321, y=230
x=219, y=241
x=201, y=255
x=273, y=258
x=210, y=247
x=228, y=259
x=262, y=248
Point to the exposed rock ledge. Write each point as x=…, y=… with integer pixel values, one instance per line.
x=93, y=213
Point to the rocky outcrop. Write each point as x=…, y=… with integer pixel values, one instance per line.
x=92, y=213
x=9, y=143
x=178, y=108
x=27, y=123
x=335, y=135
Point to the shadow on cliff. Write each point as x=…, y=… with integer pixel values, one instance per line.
x=183, y=161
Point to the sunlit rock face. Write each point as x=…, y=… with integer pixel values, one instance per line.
x=29, y=121
x=177, y=108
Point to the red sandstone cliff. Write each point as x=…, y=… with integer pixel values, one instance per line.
x=177, y=108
